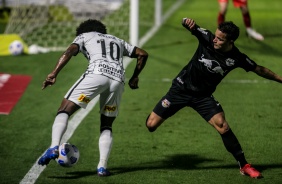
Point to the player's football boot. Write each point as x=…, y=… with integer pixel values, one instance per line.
x=103, y=172
x=51, y=153
x=255, y=35
x=250, y=171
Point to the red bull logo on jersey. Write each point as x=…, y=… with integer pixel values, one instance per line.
x=165, y=103
x=212, y=65
x=110, y=108
x=83, y=98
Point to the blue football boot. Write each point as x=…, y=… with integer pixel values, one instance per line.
x=103, y=172
x=51, y=153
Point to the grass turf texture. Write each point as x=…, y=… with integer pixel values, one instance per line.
x=185, y=149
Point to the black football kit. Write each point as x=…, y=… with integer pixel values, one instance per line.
x=196, y=82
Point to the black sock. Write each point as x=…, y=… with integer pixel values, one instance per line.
x=232, y=145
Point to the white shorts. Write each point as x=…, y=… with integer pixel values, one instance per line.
x=88, y=86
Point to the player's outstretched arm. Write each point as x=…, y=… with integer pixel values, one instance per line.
x=267, y=73
x=63, y=60
x=142, y=57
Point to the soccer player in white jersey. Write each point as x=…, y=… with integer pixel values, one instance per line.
x=105, y=76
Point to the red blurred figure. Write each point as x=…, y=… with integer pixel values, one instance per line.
x=243, y=5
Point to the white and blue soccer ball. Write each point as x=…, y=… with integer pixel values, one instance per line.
x=16, y=47
x=68, y=155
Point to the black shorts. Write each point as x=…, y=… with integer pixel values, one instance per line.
x=173, y=101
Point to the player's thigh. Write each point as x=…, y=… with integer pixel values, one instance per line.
x=223, y=5
x=86, y=88
x=110, y=99
x=68, y=106
x=240, y=3
x=168, y=105
x=207, y=107
x=222, y=1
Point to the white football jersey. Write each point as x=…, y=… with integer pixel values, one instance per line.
x=105, y=54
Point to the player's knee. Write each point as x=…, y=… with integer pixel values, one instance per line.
x=222, y=126
x=150, y=124
x=219, y=123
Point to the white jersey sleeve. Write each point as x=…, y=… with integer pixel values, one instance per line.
x=105, y=54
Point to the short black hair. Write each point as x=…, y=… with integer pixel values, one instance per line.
x=230, y=29
x=91, y=25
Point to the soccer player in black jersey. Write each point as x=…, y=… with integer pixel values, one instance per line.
x=214, y=58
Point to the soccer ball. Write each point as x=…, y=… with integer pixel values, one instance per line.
x=16, y=47
x=68, y=155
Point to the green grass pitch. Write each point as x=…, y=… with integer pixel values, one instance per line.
x=185, y=149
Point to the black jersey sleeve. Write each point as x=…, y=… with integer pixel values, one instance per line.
x=203, y=35
x=246, y=63
x=243, y=60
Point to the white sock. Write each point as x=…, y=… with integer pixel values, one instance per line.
x=105, y=145
x=59, y=127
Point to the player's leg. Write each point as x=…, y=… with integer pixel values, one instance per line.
x=171, y=103
x=232, y=145
x=60, y=124
x=230, y=141
x=246, y=15
x=154, y=121
x=105, y=144
x=212, y=112
x=109, y=106
x=79, y=95
x=223, y=5
x=59, y=127
x=243, y=5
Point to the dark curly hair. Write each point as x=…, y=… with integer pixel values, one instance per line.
x=230, y=29
x=91, y=25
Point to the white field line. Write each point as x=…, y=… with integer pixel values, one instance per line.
x=76, y=119
x=32, y=175
x=245, y=81
x=229, y=81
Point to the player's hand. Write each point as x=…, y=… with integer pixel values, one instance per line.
x=133, y=83
x=188, y=23
x=49, y=81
